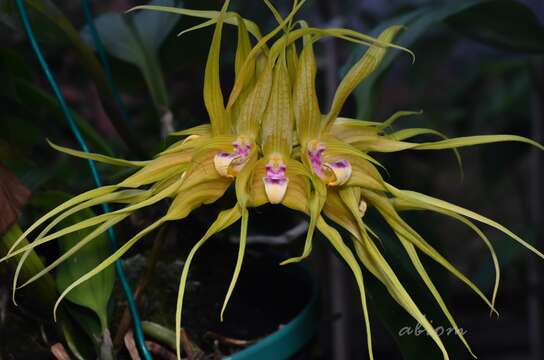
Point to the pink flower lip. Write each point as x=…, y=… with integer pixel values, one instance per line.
x=275, y=181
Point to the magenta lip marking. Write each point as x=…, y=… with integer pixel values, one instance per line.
x=275, y=174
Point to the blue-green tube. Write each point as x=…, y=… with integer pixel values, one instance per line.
x=96, y=176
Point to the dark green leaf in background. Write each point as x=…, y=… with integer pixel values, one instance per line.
x=136, y=39
x=45, y=14
x=31, y=95
x=488, y=21
x=506, y=24
x=95, y=293
x=43, y=289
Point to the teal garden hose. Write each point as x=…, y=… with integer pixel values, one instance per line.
x=139, y=337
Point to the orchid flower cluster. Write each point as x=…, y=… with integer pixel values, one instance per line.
x=271, y=142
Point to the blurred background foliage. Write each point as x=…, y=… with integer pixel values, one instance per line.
x=478, y=70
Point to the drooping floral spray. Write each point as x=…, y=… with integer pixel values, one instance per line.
x=273, y=144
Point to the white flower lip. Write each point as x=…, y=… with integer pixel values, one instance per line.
x=275, y=191
x=228, y=164
x=341, y=171
x=223, y=161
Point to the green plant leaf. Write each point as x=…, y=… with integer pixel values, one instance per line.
x=81, y=321
x=43, y=289
x=95, y=293
x=491, y=22
x=154, y=26
x=136, y=39
x=46, y=15
x=31, y=95
x=44, y=294
x=478, y=18
x=77, y=342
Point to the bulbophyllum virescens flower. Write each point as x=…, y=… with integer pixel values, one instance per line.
x=272, y=143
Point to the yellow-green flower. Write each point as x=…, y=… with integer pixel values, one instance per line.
x=272, y=142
